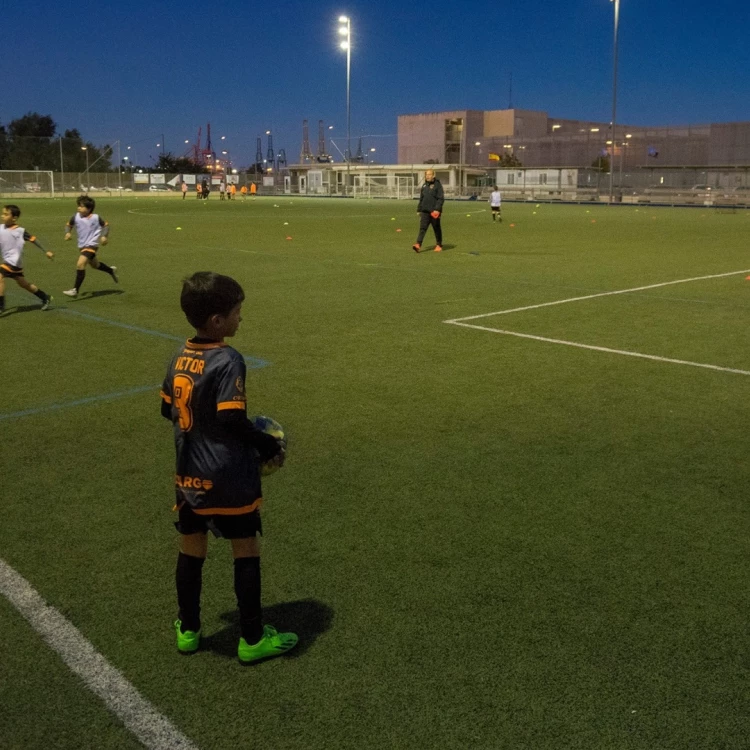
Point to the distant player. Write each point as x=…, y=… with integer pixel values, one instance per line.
x=430, y=208
x=253, y=189
x=91, y=229
x=232, y=191
x=12, y=238
x=222, y=190
x=496, y=203
x=198, y=190
x=217, y=485
x=243, y=192
x=184, y=189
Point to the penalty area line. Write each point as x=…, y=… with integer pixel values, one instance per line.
x=598, y=294
x=140, y=718
x=604, y=349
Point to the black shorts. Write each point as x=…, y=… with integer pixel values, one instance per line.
x=495, y=209
x=229, y=527
x=89, y=252
x=7, y=271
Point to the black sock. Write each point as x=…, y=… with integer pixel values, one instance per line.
x=104, y=267
x=189, y=579
x=80, y=276
x=2, y=303
x=247, y=588
x=42, y=296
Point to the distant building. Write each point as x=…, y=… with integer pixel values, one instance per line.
x=534, y=139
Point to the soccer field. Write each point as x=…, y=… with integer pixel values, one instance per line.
x=514, y=509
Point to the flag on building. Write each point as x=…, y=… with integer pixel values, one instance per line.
x=494, y=157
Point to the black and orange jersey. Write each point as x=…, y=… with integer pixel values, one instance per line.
x=204, y=396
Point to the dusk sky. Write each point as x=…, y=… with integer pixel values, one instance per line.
x=130, y=71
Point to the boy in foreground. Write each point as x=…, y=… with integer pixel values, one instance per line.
x=12, y=238
x=219, y=452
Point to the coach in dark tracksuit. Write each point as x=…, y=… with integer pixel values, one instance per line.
x=429, y=209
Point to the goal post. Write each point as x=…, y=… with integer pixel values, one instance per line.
x=26, y=183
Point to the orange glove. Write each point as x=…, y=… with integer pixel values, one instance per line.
x=435, y=214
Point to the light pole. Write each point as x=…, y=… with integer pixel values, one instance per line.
x=614, y=99
x=86, y=149
x=135, y=153
x=345, y=30
x=554, y=128
x=625, y=144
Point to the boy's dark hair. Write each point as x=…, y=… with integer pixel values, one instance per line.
x=496, y=187
x=206, y=293
x=15, y=211
x=86, y=202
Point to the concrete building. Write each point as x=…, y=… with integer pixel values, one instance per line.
x=534, y=139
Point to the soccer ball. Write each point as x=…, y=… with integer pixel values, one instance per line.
x=270, y=427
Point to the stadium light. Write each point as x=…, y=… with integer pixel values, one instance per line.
x=346, y=30
x=616, y=5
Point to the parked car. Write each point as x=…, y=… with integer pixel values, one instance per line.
x=159, y=189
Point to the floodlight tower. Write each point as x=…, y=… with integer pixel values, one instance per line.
x=282, y=158
x=616, y=4
x=345, y=31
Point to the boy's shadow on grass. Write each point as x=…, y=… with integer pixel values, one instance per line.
x=308, y=618
x=93, y=295
x=20, y=309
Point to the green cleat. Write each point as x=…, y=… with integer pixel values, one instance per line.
x=187, y=642
x=271, y=644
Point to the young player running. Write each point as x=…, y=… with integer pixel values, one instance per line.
x=12, y=238
x=91, y=229
x=496, y=200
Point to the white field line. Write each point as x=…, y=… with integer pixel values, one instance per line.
x=150, y=727
x=461, y=322
x=599, y=294
x=601, y=348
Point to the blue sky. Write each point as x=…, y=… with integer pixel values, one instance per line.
x=132, y=71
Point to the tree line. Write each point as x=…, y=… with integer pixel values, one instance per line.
x=33, y=142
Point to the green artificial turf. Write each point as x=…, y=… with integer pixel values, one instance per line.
x=484, y=541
